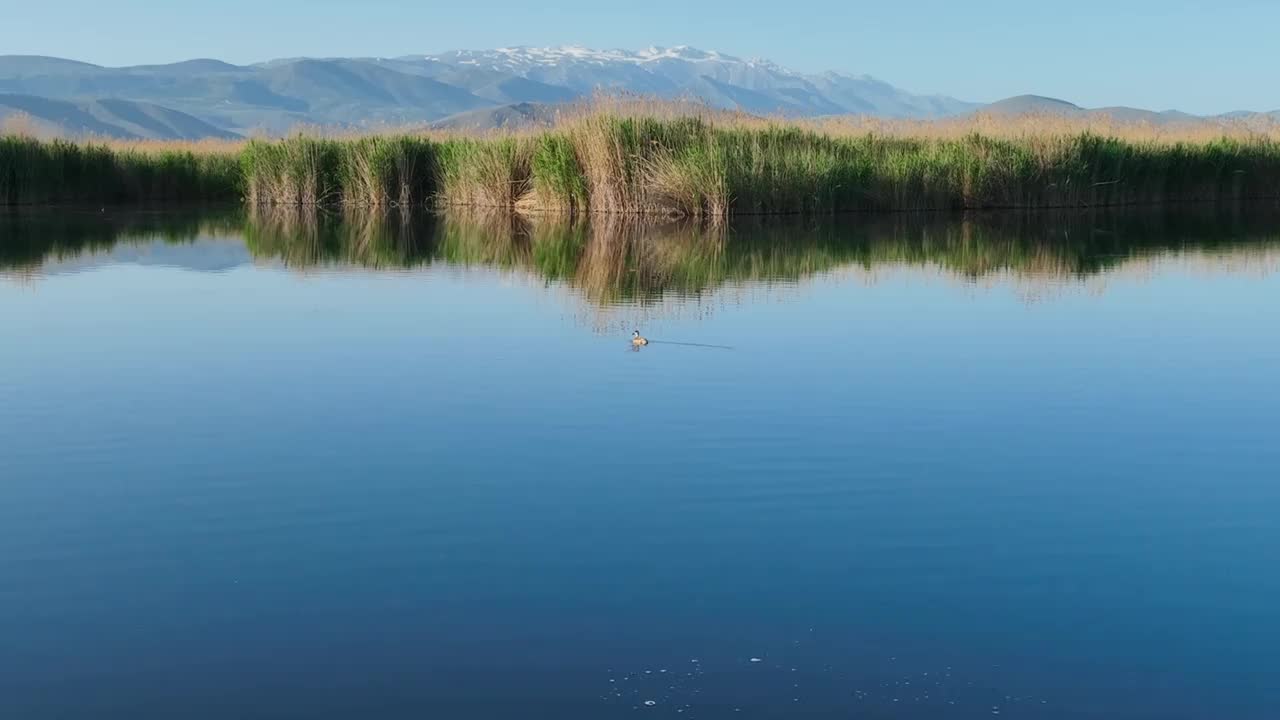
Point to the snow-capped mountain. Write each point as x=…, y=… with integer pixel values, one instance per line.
x=719, y=79
x=494, y=86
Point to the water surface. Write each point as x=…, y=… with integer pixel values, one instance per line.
x=288, y=466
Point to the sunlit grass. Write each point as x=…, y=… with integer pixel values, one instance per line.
x=676, y=160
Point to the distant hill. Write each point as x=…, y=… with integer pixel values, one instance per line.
x=43, y=65
x=1273, y=115
x=720, y=80
x=108, y=118
x=500, y=85
x=1040, y=105
x=517, y=115
x=465, y=88
x=1032, y=104
x=197, y=66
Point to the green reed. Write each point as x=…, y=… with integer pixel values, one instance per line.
x=37, y=172
x=682, y=166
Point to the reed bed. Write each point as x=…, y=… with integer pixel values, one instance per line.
x=708, y=165
x=38, y=172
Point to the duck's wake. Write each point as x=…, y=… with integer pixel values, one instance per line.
x=689, y=344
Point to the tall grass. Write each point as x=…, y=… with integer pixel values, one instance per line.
x=306, y=171
x=38, y=172
x=493, y=173
x=557, y=182
x=698, y=166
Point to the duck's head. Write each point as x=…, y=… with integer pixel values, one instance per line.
x=635, y=334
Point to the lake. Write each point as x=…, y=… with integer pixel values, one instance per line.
x=288, y=465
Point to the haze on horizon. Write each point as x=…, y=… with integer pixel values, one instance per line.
x=1155, y=55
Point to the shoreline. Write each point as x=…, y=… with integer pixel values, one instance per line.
x=690, y=167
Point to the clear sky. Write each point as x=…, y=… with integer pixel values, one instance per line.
x=1203, y=56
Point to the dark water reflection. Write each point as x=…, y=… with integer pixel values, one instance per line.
x=612, y=260
x=347, y=465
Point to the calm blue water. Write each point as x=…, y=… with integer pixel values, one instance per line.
x=948, y=471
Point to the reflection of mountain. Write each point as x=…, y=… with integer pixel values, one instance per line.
x=616, y=261
x=201, y=254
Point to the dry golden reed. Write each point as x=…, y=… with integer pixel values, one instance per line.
x=643, y=157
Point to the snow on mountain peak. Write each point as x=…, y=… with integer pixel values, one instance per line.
x=754, y=84
x=526, y=56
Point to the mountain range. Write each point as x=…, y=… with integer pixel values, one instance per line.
x=482, y=89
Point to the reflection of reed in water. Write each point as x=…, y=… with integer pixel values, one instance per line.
x=31, y=238
x=623, y=261
x=303, y=238
x=494, y=239
x=614, y=261
x=608, y=260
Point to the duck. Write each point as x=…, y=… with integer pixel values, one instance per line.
x=637, y=340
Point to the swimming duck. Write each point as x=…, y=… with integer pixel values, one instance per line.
x=637, y=340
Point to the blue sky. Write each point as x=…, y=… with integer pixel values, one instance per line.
x=1196, y=56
